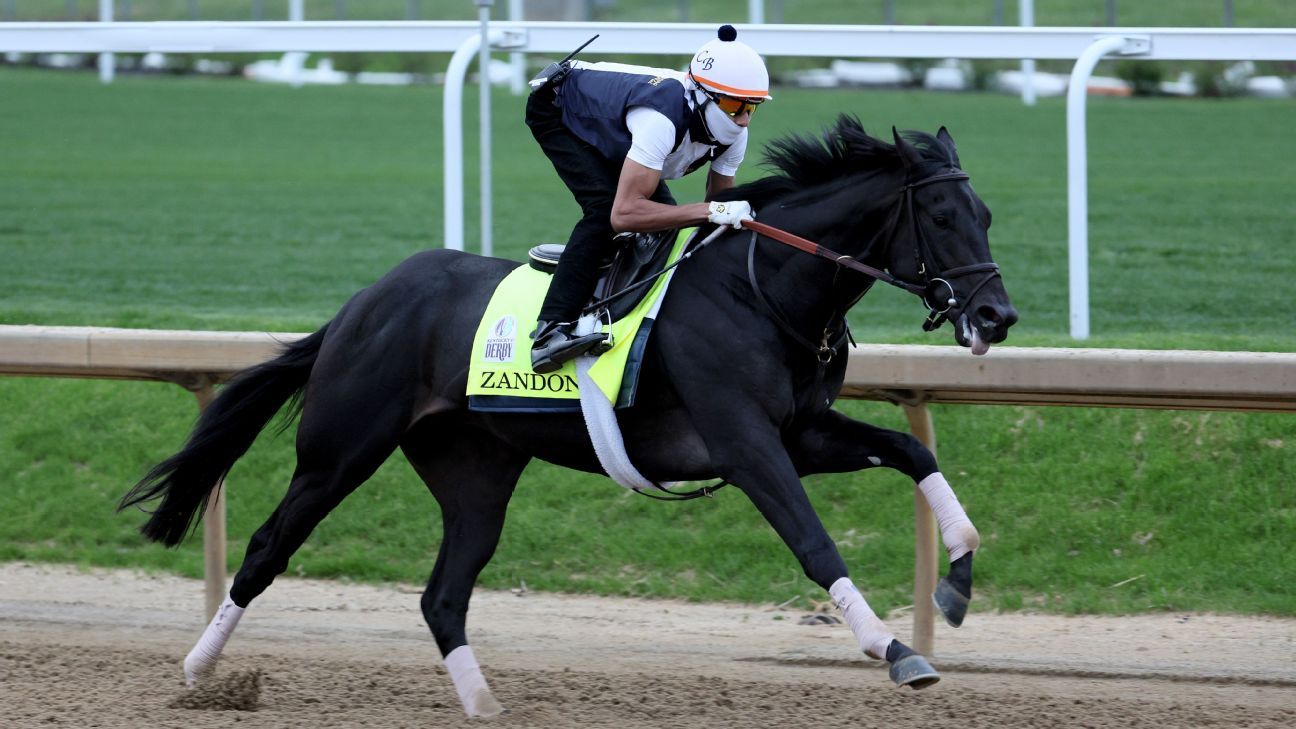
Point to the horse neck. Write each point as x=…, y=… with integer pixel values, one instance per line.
x=810, y=291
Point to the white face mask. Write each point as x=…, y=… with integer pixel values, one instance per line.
x=722, y=126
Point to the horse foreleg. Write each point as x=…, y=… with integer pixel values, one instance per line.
x=837, y=444
x=954, y=591
x=472, y=476
x=765, y=472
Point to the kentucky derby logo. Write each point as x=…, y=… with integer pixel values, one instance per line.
x=499, y=345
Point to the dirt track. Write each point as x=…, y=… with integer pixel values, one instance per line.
x=103, y=649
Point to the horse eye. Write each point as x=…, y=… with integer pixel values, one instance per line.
x=941, y=221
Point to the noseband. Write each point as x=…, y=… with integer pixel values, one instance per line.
x=936, y=291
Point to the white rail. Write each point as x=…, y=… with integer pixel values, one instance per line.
x=827, y=41
x=1086, y=45
x=910, y=375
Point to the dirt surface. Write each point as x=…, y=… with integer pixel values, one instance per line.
x=103, y=649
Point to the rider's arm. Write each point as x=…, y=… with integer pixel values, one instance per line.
x=634, y=210
x=652, y=139
x=717, y=183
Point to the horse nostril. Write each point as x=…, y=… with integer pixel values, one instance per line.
x=997, y=318
x=989, y=317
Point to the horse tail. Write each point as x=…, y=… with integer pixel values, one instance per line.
x=227, y=428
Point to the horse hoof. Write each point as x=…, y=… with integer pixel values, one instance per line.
x=913, y=671
x=196, y=669
x=483, y=704
x=951, y=603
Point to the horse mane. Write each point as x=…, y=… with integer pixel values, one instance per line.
x=802, y=163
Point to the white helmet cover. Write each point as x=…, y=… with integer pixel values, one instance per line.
x=730, y=67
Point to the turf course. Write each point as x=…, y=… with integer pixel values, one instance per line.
x=218, y=204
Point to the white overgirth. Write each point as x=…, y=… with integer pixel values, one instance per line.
x=600, y=418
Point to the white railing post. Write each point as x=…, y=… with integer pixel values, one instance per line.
x=107, y=61
x=484, y=124
x=452, y=141
x=517, y=59
x=297, y=61
x=1078, y=173
x=452, y=129
x=1027, y=13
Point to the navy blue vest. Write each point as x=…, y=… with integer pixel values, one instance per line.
x=594, y=106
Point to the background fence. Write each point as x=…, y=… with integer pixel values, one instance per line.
x=911, y=376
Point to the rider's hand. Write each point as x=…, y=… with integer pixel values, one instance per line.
x=730, y=212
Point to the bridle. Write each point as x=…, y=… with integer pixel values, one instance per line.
x=936, y=291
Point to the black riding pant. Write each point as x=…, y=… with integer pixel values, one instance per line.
x=592, y=179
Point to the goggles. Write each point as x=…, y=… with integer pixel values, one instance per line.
x=731, y=105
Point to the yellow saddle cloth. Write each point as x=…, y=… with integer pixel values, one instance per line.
x=500, y=378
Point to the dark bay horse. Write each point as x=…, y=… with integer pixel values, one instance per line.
x=745, y=360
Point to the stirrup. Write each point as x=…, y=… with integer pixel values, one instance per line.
x=556, y=345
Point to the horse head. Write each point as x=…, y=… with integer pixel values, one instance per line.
x=940, y=241
x=903, y=213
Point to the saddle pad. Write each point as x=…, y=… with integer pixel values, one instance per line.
x=500, y=378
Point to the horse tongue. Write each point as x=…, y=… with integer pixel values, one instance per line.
x=978, y=345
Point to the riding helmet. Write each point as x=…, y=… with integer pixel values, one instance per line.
x=730, y=67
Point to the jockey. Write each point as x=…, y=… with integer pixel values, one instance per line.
x=615, y=133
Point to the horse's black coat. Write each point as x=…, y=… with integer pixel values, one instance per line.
x=724, y=391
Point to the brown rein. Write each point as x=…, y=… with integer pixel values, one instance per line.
x=809, y=246
x=930, y=289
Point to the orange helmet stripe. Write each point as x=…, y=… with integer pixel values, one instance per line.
x=732, y=91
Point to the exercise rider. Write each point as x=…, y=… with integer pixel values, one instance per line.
x=615, y=133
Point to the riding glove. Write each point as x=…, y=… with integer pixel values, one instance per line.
x=730, y=212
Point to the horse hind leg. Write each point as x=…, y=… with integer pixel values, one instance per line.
x=342, y=439
x=472, y=475
x=312, y=495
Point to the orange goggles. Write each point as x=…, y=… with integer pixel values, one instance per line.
x=735, y=107
x=732, y=105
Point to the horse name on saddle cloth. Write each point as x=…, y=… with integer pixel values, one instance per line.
x=500, y=378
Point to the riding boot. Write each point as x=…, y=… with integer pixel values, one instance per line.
x=555, y=344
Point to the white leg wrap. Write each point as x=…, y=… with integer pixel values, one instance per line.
x=873, y=636
x=470, y=684
x=202, y=659
x=957, y=532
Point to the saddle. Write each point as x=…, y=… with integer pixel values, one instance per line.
x=501, y=377
x=624, y=278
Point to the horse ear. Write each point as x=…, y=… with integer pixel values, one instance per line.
x=944, y=136
x=908, y=154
